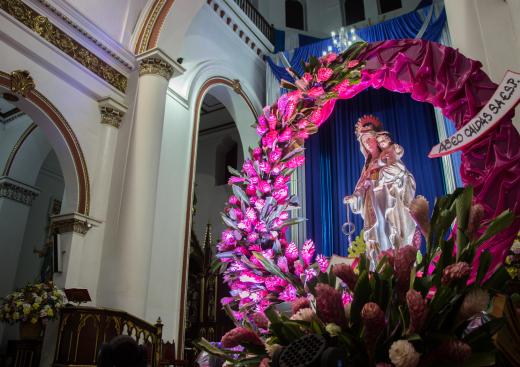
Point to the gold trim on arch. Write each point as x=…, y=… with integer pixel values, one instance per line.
x=57, y=119
x=16, y=148
x=150, y=30
x=208, y=84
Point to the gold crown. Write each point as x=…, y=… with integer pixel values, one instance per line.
x=368, y=123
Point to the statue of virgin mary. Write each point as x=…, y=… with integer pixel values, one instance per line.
x=383, y=192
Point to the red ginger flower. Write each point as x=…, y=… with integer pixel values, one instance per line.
x=418, y=310
x=260, y=320
x=346, y=274
x=240, y=335
x=404, y=259
x=455, y=271
x=330, y=305
x=476, y=214
x=456, y=351
x=373, y=320
x=300, y=303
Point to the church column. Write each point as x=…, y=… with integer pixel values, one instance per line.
x=129, y=280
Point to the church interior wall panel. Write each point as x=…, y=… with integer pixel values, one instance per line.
x=9, y=135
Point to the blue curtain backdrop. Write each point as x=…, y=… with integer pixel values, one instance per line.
x=334, y=160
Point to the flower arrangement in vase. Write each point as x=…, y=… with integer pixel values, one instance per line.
x=32, y=304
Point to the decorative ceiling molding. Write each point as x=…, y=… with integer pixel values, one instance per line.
x=41, y=25
x=17, y=191
x=72, y=222
x=95, y=36
x=112, y=112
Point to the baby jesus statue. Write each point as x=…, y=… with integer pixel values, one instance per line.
x=384, y=191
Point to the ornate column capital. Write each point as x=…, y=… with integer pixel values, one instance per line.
x=17, y=191
x=72, y=222
x=112, y=112
x=157, y=62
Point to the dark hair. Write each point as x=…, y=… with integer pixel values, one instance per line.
x=122, y=351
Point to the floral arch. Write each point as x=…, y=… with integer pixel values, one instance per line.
x=258, y=262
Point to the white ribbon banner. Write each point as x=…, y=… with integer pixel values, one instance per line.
x=505, y=98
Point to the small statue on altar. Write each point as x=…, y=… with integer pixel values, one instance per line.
x=383, y=192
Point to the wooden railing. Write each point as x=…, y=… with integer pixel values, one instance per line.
x=83, y=330
x=257, y=18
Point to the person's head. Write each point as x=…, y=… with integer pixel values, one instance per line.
x=122, y=351
x=367, y=123
x=384, y=140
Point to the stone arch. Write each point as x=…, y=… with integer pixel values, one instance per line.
x=207, y=85
x=62, y=139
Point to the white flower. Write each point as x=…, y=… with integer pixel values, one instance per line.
x=475, y=301
x=403, y=354
x=333, y=329
x=305, y=314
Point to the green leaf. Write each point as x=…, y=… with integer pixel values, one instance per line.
x=361, y=296
x=294, y=221
x=504, y=220
x=462, y=207
x=270, y=266
x=205, y=345
x=239, y=193
x=498, y=280
x=483, y=266
x=234, y=171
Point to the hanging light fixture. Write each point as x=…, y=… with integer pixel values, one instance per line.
x=342, y=39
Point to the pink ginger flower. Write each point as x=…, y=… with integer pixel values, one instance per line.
x=289, y=110
x=352, y=64
x=268, y=254
x=315, y=117
x=245, y=225
x=288, y=294
x=233, y=200
x=251, y=214
x=418, y=310
x=226, y=301
x=300, y=303
x=261, y=130
x=316, y=92
x=259, y=204
x=251, y=190
x=228, y=237
x=278, y=169
x=281, y=181
x=346, y=274
x=240, y=335
x=264, y=187
x=296, y=161
x=284, y=215
x=249, y=168
x=282, y=264
x=275, y=155
x=277, y=223
x=260, y=320
x=234, y=179
x=265, y=166
x=272, y=122
x=323, y=263
x=254, y=180
x=324, y=74
x=346, y=298
x=282, y=103
x=298, y=268
x=292, y=252
x=252, y=237
x=310, y=274
x=269, y=139
x=281, y=194
x=261, y=227
x=308, y=251
x=257, y=153
x=250, y=277
x=274, y=283
x=330, y=57
x=307, y=77
x=286, y=135
x=342, y=87
x=329, y=305
x=302, y=123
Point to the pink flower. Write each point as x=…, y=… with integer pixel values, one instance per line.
x=251, y=214
x=264, y=187
x=302, y=124
x=282, y=264
x=257, y=153
x=346, y=298
x=251, y=190
x=252, y=237
x=275, y=155
x=270, y=138
x=254, y=180
x=233, y=200
x=342, y=87
x=249, y=168
x=310, y=274
x=315, y=116
x=330, y=57
x=296, y=161
x=226, y=300
x=260, y=320
x=329, y=305
x=307, y=77
x=324, y=74
x=282, y=103
x=323, y=263
x=259, y=204
x=352, y=64
x=292, y=252
x=240, y=335
x=261, y=130
x=300, y=303
x=228, y=237
x=284, y=215
x=308, y=251
x=274, y=283
x=298, y=268
x=281, y=194
x=316, y=92
x=264, y=167
x=234, y=179
x=288, y=294
x=280, y=181
x=272, y=122
x=261, y=227
x=346, y=274
x=262, y=120
x=278, y=169
x=250, y=277
x=285, y=135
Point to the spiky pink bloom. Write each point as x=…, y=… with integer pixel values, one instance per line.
x=272, y=121
x=270, y=138
x=264, y=187
x=239, y=336
x=418, y=310
x=275, y=155
x=281, y=181
x=455, y=271
x=324, y=74
x=315, y=116
x=315, y=92
x=346, y=298
x=300, y=303
x=310, y=274
x=298, y=268
x=307, y=77
x=323, y=263
x=257, y=153
x=352, y=64
x=308, y=250
x=296, y=161
x=403, y=262
x=288, y=294
x=346, y=274
x=260, y=320
x=281, y=194
x=261, y=130
x=274, y=283
x=329, y=305
x=342, y=87
x=373, y=320
x=292, y=253
x=330, y=57
x=252, y=237
x=251, y=190
x=282, y=264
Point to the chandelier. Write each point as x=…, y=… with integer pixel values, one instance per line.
x=342, y=39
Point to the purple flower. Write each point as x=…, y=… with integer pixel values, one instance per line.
x=310, y=274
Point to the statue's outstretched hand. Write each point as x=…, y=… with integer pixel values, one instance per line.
x=349, y=199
